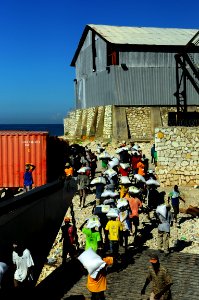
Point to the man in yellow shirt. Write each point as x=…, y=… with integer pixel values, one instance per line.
x=113, y=229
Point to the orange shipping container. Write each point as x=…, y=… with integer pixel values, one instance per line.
x=18, y=148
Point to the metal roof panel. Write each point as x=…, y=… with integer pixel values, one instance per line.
x=144, y=35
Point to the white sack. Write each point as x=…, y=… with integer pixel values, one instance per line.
x=139, y=177
x=108, y=201
x=134, y=190
x=83, y=170
x=92, y=262
x=113, y=213
x=114, y=162
x=93, y=221
x=108, y=193
x=103, y=208
x=125, y=165
x=161, y=209
x=124, y=180
x=104, y=155
x=122, y=202
x=152, y=181
x=98, y=180
x=110, y=172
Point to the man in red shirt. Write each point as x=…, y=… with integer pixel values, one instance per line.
x=135, y=159
x=134, y=204
x=124, y=169
x=68, y=237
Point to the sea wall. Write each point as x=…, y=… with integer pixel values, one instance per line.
x=178, y=155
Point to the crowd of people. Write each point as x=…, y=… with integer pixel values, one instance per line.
x=124, y=187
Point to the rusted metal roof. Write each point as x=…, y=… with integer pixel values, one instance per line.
x=144, y=35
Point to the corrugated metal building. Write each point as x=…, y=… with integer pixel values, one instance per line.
x=130, y=66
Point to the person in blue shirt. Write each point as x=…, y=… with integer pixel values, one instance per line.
x=28, y=179
x=152, y=154
x=175, y=198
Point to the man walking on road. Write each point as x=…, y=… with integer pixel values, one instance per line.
x=160, y=278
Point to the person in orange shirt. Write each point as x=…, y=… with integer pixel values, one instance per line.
x=140, y=167
x=98, y=285
x=134, y=204
x=68, y=171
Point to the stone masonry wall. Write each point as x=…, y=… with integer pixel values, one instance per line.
x=90, y=120
x=98, y=122
x=178, y=155
x=139, y=122
x=68, y=124
x=107, y=132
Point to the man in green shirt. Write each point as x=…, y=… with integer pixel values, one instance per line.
x=93, y=237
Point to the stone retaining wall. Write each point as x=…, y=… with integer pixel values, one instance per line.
x=139, y=122
x=99, y=122
x=178, y=155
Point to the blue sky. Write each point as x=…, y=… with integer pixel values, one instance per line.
x=38, y=39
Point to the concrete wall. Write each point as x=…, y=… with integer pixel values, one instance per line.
x=178, y=155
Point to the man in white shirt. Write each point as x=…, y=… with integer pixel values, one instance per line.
x=23, y=262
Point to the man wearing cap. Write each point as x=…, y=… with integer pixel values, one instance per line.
x=160, y=278
x=68, y=170
x=68, y=237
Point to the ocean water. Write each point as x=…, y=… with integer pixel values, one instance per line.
x=53, y=129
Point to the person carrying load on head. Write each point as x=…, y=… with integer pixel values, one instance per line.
x=27, y=177
x=134, y=204
x=113, y=229
x=165, y=221
x=68, y=170
x=91, y=231
x=96, y=265
x=140, y=166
